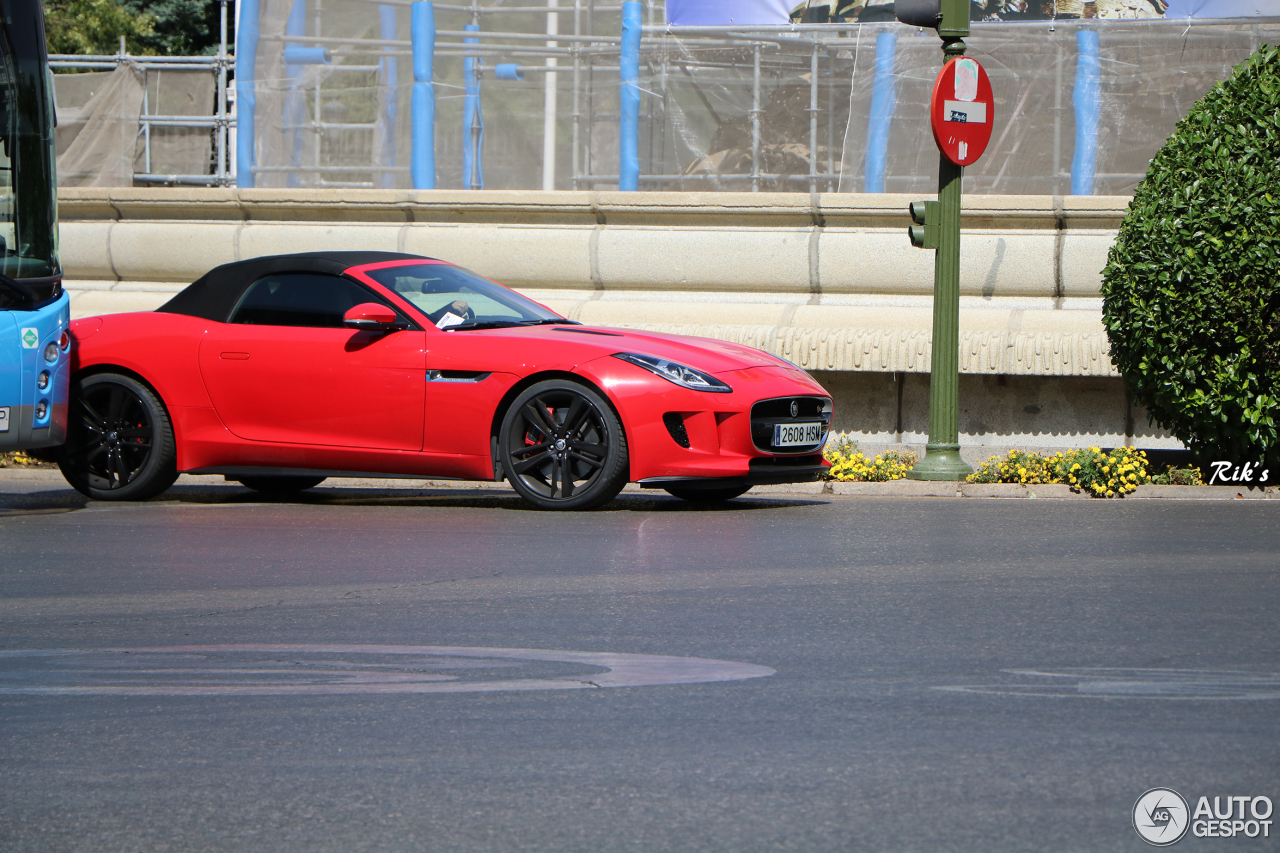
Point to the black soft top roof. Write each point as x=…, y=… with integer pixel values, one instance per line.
x=217, y=292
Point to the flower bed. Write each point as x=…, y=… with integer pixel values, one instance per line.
x=1095, y=472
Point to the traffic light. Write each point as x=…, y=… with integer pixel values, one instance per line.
x=949, y=17
x=926, y=216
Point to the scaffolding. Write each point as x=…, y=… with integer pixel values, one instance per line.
x=553, y=95
x=220, y=124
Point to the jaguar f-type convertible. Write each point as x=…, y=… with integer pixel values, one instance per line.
x=279, y=372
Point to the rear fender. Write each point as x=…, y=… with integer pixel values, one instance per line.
x=158, y=349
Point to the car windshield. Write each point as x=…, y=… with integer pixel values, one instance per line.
x=454, y=298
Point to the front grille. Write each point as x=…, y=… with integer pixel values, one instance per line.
x=767, y=414
x=675, y=426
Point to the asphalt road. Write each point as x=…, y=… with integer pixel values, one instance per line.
x=421, y=671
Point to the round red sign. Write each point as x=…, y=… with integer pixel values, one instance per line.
x=962, y=110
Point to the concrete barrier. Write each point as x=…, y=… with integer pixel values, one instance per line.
x=828, y=281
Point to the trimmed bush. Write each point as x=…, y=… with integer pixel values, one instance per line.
x=1191, y=290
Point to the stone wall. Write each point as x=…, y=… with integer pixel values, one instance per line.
x=828, y=281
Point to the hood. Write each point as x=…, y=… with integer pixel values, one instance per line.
x=705, y=354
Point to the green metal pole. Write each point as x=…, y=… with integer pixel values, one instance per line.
x=942, y=454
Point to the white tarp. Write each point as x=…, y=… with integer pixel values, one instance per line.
x=103, y=152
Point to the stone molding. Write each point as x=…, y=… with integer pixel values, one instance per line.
x=910, y=350
x=811, y=251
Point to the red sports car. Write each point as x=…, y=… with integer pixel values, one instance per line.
x=282, y=371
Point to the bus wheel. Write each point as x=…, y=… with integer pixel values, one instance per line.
x=120, y=443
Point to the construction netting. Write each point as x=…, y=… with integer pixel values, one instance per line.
x=105, y=131
x=529, y=97
x=1080, y=106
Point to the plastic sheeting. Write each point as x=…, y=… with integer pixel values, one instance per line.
x=101, y=140
x=348, y=121
x=1054, y=123
x=841, y=108
x=703, y=13
x=100, y=152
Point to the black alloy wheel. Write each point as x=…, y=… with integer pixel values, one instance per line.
x=562, y=447
x=120, y=444
x=706, y=496
x=280, y=484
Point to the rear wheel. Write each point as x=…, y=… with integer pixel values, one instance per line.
x=562, y=447
x=120, y=443
x=706, y=496
x=280, y=484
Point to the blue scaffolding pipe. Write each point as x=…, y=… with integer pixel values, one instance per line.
x=422, y=105
x=296, y=54
x=884, y=99
x=246, y=100
x=1086, y=98
x=472, y=119
x=295, y=109
x=391, y=99
x=629, y=119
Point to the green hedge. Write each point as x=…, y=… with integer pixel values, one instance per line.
x=1191, y=290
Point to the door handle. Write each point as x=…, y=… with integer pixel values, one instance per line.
x=235, y=356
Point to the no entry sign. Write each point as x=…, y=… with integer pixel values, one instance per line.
x=962, y=111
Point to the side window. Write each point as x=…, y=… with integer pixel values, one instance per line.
x=300, y=299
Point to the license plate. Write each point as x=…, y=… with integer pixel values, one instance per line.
x=794, y=435
x=4, y=418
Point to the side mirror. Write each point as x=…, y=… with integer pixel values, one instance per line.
x=371, y=316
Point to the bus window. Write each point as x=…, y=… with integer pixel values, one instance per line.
x=35, y=362
x=28, y=209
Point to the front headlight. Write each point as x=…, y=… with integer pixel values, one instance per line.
x=685, y=377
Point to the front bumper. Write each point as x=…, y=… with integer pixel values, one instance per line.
x=682, y=436
x=763, y=472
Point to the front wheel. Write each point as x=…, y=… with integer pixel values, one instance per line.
x=120, y=443
x=562, y=447
x=706, y=496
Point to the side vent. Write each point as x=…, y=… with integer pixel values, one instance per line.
x=675, y=426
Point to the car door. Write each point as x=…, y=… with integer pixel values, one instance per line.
x=285, y=368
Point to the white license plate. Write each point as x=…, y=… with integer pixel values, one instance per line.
x=795, y=435
x=4, y=418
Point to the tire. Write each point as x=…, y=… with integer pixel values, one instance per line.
x=120, y=444
x=707, y=496
x=280, y=484
x=562, y=447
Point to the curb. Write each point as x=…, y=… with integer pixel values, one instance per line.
x=893, y=488
x=1058, y=491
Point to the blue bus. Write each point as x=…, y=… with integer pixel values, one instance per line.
x=35, y=370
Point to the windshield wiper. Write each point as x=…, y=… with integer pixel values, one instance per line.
x=23, y=295
x=507, y=324
x=487, y=324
